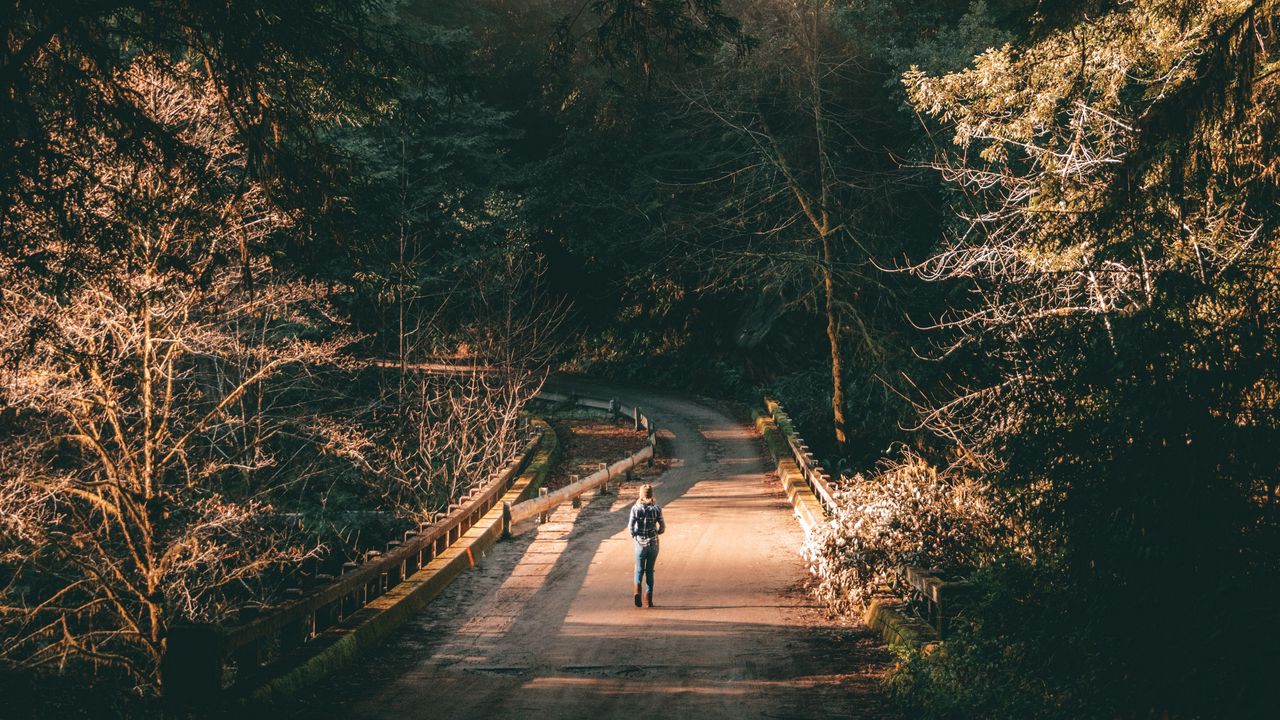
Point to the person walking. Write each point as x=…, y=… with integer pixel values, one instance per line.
x=646, y=525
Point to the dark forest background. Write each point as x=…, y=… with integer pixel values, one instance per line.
x=1011, y=265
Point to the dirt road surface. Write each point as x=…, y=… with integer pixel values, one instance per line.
x=545, y=626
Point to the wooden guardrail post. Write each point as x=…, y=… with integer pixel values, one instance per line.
x=296, y=632
x=379, y=581
x=455, y=530
x=248, y=657
x=429, y=549
x=506, y=519
x=604, y=486
x=635, y=415
x=326, y=615
x=414, y=562
x=613, y=409
x=544, y=515
x=352, y=601
x=577, y=499
x=396, y=573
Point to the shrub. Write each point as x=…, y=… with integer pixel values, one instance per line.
x=906, y=513
x=1019, y=650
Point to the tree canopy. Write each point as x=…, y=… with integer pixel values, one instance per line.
x=1011, y=264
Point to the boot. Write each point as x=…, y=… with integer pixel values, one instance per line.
x=637, y=595
x=648, y=598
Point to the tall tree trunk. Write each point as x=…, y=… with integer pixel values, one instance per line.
x=818, y=209
x=826, y=179
x=833, y=337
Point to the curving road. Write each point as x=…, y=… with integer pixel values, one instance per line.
x=545, y=627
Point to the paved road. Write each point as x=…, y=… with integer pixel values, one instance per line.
x=545, y=627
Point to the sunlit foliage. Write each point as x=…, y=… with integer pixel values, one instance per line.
x=908, y=513
x=135, y=393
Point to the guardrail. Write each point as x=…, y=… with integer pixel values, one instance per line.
x=808, y=487
x=808, y=509
x=611, y=406
x=817, y=478
x=543, y=504
x=197, y=656
x=939, y=597
x=204, y=661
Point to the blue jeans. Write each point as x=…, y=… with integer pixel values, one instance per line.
x=645, y=557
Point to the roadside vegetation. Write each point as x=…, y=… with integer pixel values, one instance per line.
x=1009, y=264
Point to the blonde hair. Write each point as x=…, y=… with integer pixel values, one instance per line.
x=646, y=493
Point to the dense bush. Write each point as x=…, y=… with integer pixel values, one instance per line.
x=1036, y=642
x=906, y=513
x=997, y=663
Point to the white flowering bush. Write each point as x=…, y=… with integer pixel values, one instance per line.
x=906, y=513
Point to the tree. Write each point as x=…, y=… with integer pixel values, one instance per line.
x=135, y=426
x=642, y=35
x=281, y=69
x=448, y=422
x=430, y=193
x=447, y=282
x=811, y=177
x=1119, y=244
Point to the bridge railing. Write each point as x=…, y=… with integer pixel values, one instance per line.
x=611, y=406
x=815, y=476
x=204, y=660
x=937, y=597
x=543, y=504
x=197, y=656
